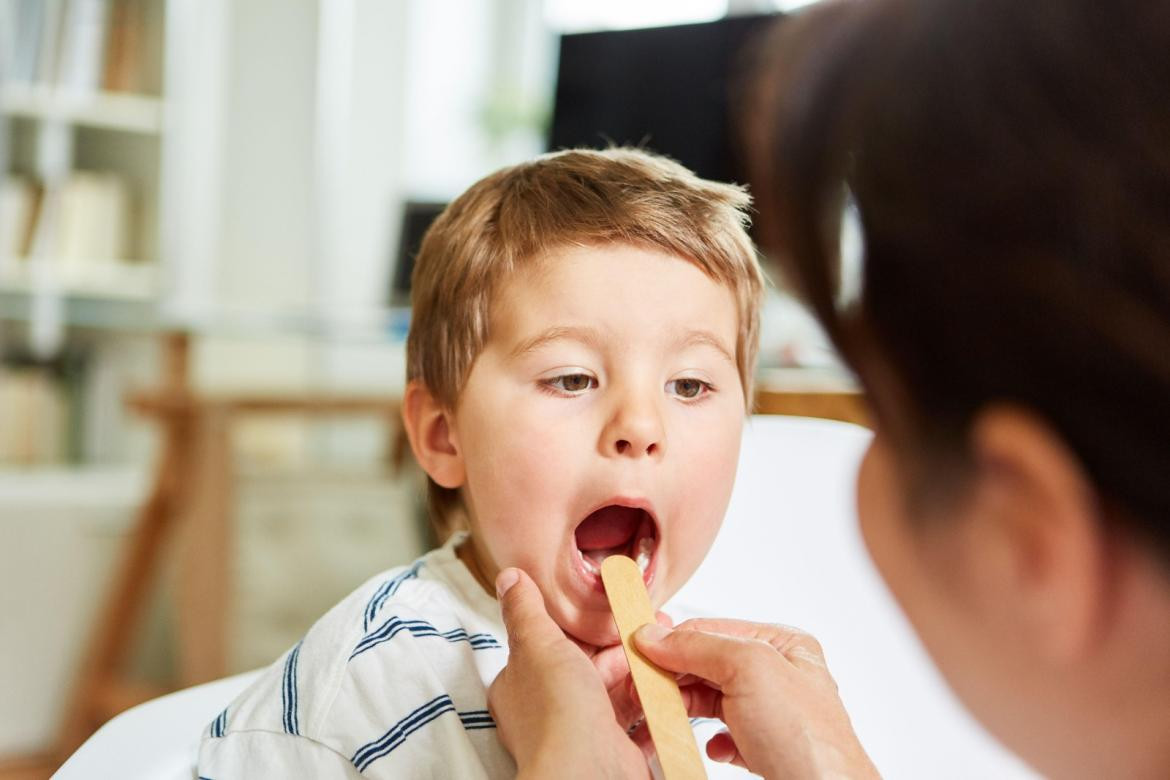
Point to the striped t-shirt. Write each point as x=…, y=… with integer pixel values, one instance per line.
x=391, y=682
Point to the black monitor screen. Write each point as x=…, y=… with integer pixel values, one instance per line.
x=417, y=216
x=668, y=89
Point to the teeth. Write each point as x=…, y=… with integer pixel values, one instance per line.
x=590, y=566
x=645, y=548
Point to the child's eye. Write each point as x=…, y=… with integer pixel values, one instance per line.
x=688, y=388
x=573, y=384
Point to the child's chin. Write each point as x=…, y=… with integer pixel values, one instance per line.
x=598, y=631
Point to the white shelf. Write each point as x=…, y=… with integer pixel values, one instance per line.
x=73, y=488
x=109, y=280
x=110, y=110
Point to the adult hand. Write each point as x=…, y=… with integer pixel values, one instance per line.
x=551, y=707
x=771, y=686
x=614, y=670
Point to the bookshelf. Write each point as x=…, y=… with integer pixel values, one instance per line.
x=110, y=130
x=124, y=112
x=240, y=245
x=83, y=150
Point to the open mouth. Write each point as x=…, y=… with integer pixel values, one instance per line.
x=617, y=530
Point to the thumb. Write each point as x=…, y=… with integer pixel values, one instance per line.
x=523, y=610
x=711, y=657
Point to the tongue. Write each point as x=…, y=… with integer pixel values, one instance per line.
x=607, y=528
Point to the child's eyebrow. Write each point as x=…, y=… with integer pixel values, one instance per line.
x=705, y=338
x=587, y=336
x=590, y=337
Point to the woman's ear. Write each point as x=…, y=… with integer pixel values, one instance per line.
x=430, y=428
x=1041, y=523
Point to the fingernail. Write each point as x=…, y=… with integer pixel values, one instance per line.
x=651, y=632
x=505, y=580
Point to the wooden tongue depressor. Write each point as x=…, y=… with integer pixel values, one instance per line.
x=662, y=704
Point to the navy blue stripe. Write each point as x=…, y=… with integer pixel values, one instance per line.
x=471, y=719
x=478, y=726
x=393, y=586
x=388, y=630
x=219, y=725
x=288, y=692
x=398, y=733
x=475, y=713
x=296, y=663
x=386, y=590
x=421, y=628
x=477, y=719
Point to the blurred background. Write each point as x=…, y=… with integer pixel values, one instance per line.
x=207, y=218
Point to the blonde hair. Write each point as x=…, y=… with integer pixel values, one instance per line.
x=578, y=197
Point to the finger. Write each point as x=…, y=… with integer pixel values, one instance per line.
x=774, y=634
x=641, y=737
x=522, y=607
x=611, y=665
x=627, y=710
x=799, y=647
x=702, y=701
x=699, y=699
x=584, y=647
x=626, y=704
x=722, y=748
x=664, y=619
x=716, y=658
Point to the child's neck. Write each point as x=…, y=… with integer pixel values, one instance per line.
x=466, y=553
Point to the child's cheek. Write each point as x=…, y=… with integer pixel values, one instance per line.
x=708, y=477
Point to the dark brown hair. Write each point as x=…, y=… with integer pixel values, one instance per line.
x=1009, y=162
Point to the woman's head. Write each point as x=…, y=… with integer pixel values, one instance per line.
x=1009, y=165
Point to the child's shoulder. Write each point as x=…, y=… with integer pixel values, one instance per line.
x=417, y=634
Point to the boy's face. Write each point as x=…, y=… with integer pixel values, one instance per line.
x=604, y=416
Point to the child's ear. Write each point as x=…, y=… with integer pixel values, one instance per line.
x=429, y=426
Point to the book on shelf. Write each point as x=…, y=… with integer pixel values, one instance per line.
x=43, y=406
x=125, y=61
x=80, y=45
x=34, y=417
x=94, y=218
x=83, y=227
x=19, y=200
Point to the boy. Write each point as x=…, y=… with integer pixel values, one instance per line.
x=583, y=337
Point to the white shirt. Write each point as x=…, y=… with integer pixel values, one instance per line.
x=391, y=682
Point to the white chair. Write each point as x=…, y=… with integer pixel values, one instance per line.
x=158, y=739
x=790, y=553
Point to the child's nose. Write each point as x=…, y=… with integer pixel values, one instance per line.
x=635, y=430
